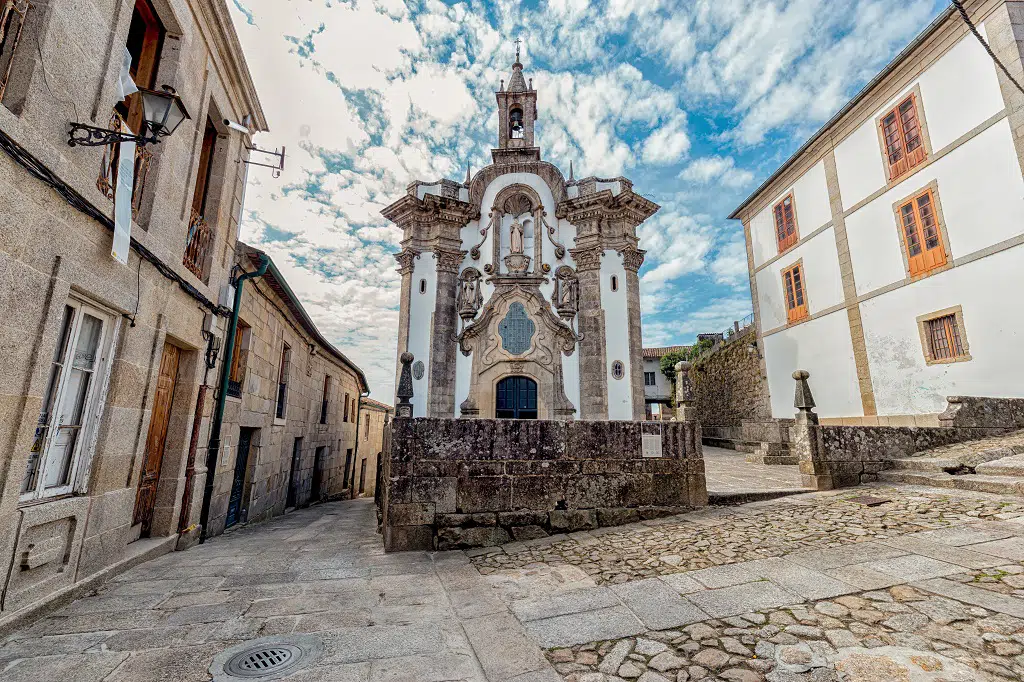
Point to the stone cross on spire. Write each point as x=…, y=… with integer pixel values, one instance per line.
x=518, y=43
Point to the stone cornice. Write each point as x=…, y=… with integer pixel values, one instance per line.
x=430, y=210
x=627, y=204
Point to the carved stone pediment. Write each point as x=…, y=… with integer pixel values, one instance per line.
x=549, y=333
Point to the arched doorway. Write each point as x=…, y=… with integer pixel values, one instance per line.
x=516, y=398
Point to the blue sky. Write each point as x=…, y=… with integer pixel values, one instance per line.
x=696, y=101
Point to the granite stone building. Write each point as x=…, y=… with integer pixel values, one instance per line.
x=520, y=295
x=374, y=418
x=887, y=254
x=109, y=368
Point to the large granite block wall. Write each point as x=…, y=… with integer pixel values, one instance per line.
x=729, y=385
x=480, y=482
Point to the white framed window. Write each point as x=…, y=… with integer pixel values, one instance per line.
x=72, y=402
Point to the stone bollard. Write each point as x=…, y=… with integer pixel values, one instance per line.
x=685, y=411
x=404, y=392
x=807, y=440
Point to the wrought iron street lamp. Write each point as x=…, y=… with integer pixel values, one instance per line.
x=162, y=113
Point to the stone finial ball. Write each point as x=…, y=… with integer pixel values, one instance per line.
x=801, y=374
x=683, y=366
x=407, y=358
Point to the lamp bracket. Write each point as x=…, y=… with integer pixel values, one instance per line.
x=276, y=167
x=91, y=136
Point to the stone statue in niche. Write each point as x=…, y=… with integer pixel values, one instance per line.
x=468, y=296
x=516, y=237
x=567, y=293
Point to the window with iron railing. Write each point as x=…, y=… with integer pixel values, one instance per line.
x=944, y=336
x=12, y=24
x=200, y=235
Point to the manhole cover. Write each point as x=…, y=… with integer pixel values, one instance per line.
x=269, y=658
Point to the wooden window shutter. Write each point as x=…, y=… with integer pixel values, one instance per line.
x=784, y=214
x=793, y=289
x=902, y=137
x=922, y=236
x=944, y=338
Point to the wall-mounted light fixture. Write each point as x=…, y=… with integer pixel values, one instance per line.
x=162, y=113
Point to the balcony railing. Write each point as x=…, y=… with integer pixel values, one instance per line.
x=234, y=388
x=107, y=181
x=197, y=246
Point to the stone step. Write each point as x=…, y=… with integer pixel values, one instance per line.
x=731, y=444
x=999, y=485
x=1007, y=466
x=932, y=464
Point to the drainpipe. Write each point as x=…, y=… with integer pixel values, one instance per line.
x=355, y=451
x=213, y=450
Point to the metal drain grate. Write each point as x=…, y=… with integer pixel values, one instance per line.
x=269, y=658
x=262, y=661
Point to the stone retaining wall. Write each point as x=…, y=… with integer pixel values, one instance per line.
x=840, y=456
x=481, y=482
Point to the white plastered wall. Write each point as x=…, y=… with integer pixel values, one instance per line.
x=823, y=285
x=903, y=382
x=810, y=195
x=421, y=316
x=823, y=348
x=958, y=93
x=616, y=325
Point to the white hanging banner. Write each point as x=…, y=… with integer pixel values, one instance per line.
x=123, y=201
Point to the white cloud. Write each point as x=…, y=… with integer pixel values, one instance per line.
x=721, y=170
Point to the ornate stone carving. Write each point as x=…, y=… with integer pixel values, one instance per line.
x=516, y=236
x=468, y=297
x=517, y=264
x=548, y=173
x=474, y=252
x=559, y=248
x=448, y=261
x=405, y=259
x=632, y=259
x=515, y=367
x=566, y=295
x=587, y=259
x=482, y=334
x=404, y=392
x=516, y=330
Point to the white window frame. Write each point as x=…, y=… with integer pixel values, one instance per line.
x=92, y=411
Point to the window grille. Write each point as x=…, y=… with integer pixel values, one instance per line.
x=944, y=340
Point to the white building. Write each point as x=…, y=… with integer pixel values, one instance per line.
x=520, y=295
x=886, y=255
x=657, y=387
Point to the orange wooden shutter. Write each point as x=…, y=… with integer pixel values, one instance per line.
x=796, y=301
x=785, y=223
x=901, y=135
x=922, y=239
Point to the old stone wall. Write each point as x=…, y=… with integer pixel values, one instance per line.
x=481, y=482
x=839, y=456
x=373, y=418
x=52, y=255
x=729, y=385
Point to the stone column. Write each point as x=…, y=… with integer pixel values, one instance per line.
x=632, y=259
x=405, y=260
x=441, y=384
x=685, y=411
x=593, y=359
x=807, y=440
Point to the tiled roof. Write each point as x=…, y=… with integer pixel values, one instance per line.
x=660, y=352
x=376, y=403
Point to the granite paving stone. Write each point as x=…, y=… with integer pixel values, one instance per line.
x=732, y=601
x=657, y=604
x=576, y=601
x=576, y=628
x=1008, y=548
x=912, y=567
x=798, y=579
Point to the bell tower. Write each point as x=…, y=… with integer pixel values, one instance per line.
x=517, y=113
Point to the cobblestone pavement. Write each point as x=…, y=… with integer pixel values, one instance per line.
x=411, y=617
x=727, y=471
x=724, y=535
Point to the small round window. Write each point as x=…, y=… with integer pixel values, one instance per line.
x=423, y=286
x=615, y=283
x=618, y=370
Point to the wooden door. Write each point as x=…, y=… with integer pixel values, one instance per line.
x=157, y=438
x=238, y=483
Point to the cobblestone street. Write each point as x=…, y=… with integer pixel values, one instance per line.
x=925, y=584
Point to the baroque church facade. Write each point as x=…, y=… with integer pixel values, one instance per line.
x=520, y=294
